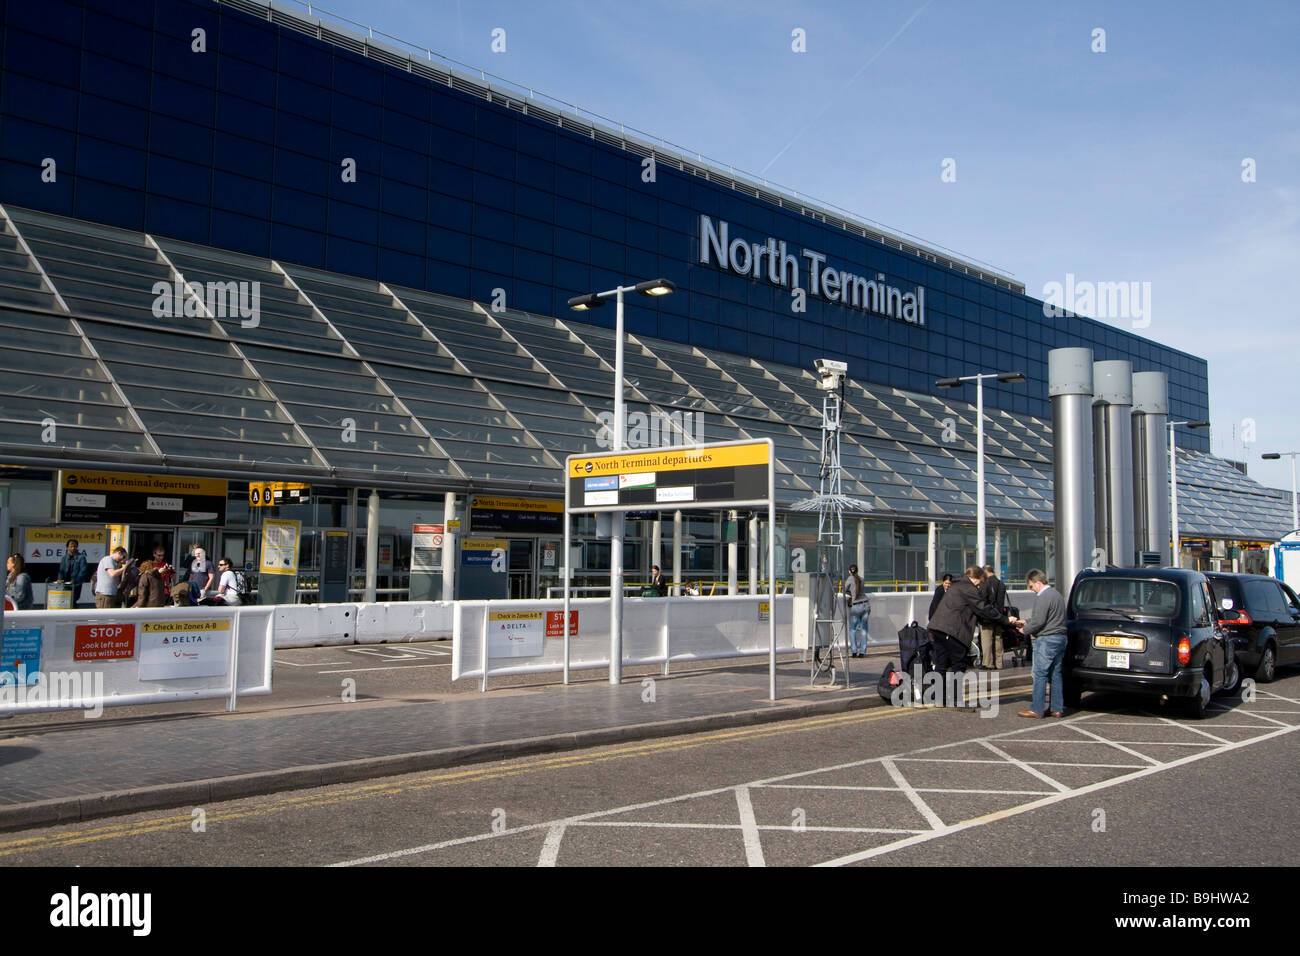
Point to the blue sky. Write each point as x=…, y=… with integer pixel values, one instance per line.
x=1115, y=166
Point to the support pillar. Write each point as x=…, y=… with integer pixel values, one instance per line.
x=676, y=590
x=372, y=547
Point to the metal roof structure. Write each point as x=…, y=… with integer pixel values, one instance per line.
x=149, y=354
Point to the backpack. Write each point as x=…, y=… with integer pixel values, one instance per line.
x=889, y=679
x=130, y=581
x=245, y=593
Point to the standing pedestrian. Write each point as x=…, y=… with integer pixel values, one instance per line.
x=953, y=624
x=859, y=612
x=18, y=583
x=939, y=592
x=995, y=592
x=108, y=577
x=150, y=591
x=1046, y=626
x=202, y=576
x=73, y=569
x=166, y=572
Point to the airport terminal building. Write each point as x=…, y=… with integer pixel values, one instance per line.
x=258, y=269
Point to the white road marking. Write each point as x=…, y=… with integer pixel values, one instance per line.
x=1251, y=713
x=749, y=828
x=551, y=848
x=1055, y=798
x=1111, y=743
x=1194, y=730
x=1054, y=784
x=913, y=836
x=307, y=663
x=810, y=786
x=922, y=807
x=395, y=667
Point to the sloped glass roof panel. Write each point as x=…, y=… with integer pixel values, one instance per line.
x=20, y=282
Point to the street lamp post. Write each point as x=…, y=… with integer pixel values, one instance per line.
x=1173, y=487
x=979, y=445
x=581, y=303
x=1295, y=511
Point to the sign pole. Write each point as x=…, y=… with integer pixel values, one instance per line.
x=566, y=571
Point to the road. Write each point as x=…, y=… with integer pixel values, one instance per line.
x=1115, y=784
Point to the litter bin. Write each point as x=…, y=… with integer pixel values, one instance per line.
x=58, y=598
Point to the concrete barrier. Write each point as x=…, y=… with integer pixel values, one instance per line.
x=315, y=625
x=404, y=621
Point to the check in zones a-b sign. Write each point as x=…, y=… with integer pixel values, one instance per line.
x=728, y=474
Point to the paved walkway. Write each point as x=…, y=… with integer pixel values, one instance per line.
x=70, y=771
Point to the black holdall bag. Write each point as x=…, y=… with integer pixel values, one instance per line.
x=914, y=647
x=889, y=679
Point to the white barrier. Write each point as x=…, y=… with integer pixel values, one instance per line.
x=489, y=635
x=401, y=621
x=655, y=630
x=893, y=610
x=311, y=625
x=90, y=659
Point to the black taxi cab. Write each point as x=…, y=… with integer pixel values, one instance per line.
x=1153, y=632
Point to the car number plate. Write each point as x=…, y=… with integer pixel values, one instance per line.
x=1117, y=660
x=1119, y=642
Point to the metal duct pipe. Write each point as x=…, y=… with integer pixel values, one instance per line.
x=1151, y=464
x=1112, y=438
x=1069, y=383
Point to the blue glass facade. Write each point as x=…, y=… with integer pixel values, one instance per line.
x=245, y=146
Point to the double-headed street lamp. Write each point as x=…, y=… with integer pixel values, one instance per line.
x=1295, y=512
x=1173, y=487
x=979, y=445
x=651, y=287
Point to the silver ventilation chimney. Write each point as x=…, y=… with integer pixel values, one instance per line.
x=1151, y=464
x=1069, y=383
x=1112, y=438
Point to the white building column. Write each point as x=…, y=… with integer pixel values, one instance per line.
x=449, y=552
x=372, y=547
x=753, y=553
x=677, y=549
x=733, y=554
x=932, y=552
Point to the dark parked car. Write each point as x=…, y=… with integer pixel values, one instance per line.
x=1147, y=631
x=1264, y=616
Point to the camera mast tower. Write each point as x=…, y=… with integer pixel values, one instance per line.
x=830, y=503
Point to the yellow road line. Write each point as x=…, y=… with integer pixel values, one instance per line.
x=464, y=775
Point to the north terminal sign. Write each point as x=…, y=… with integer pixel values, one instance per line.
x=728, y=474
x=772, y=261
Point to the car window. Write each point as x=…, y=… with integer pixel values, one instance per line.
x=1222, y=588
x=1263, y=598
x=1151, y=598
x=1293, y=605
x=1200, y=617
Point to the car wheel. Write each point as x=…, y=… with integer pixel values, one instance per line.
x=1201, y=702
x=1267, y=665
x=1233, y=681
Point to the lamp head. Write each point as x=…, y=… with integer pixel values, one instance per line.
x=582, y=303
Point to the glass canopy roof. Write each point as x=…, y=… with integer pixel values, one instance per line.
x=165, y=355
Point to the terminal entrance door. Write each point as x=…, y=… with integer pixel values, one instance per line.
x=145, y=540
x=520, y=566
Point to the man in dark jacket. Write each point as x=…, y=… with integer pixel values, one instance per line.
x=995, y=593
x=953, y=624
